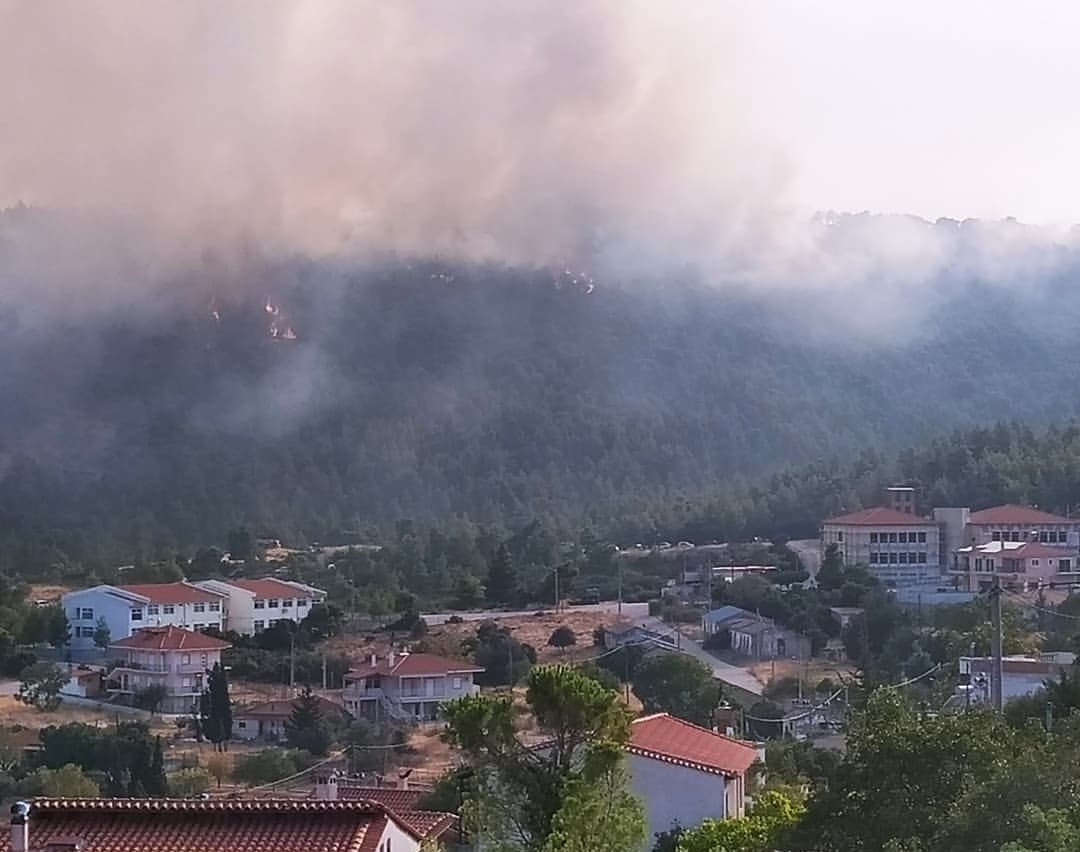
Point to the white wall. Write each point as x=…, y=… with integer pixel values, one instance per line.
x=238, y=605
x=395, y=839
x=675, y=794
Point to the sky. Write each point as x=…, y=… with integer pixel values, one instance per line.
x=935, y=108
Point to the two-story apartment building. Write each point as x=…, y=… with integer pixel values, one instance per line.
x=406, y=686
x=255, y=605
x=1020, y=565
x=1021, y=524
x=130, y=607
x=900, y=547
x=169, y=656
x=685, y=774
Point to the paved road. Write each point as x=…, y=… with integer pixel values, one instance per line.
x=632, y=611
x=9, y=687
x=809, y=552
x=726, y=672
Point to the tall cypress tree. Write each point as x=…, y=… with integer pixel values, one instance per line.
x=215, y=709
x=154, y=782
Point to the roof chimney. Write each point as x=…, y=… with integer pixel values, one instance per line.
x=326, y=787
x=374, y=660
x=20, y=827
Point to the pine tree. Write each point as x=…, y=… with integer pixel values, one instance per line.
x=502, y=577
x=215, y=709
x=154, y=783
x=306, y=728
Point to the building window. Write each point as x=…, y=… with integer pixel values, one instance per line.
x=136, y=615
x=272, y=603
x=186, y=659
x=1035, y=562
x=873, y=538
x=892, y=558
x=199, y=627
x=186, y=682
x=457, y=683
x=1064, y=566
x=259, y=604
x=903, y=558
x=840, y=535
x=152, y=609
x=922, y=557
x=84, y=632
x=241, y=724
x=204, y=660
x=301, y=602
x=995, y=535
x=287, y=603
x=1044, y=537
x=922, y=538
x=87, y=614
x=199, y=607
x=258, y=625
x=892, y=538
x=215, y=606
x=903, y=538
x=168, y=609
x=873, y=558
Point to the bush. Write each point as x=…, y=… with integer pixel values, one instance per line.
x=189, y=783
x=562, y=637
x=67, y=782
x=455, y=619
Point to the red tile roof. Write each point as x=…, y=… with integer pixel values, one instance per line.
x=171, y=593
x=404, y=804
x=169, y=638
x=881, y=516
x=215, y=825
x=270, y=588
x=1038, y=550
x=415, y=665
x=282, y=709
x=1012, y=515
x=663, y=737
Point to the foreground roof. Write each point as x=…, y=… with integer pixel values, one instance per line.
x=415, y=665
x=169, y=638
x=1011, y=514
x=404, y=804
x=270, y=588
x=213, y=825
x=666, y=738
x=880, y=516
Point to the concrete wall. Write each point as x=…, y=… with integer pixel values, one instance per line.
x=239, y=602
x=675, y=795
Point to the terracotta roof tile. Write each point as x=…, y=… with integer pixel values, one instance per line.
x=218, y=825
x=169, y=638
x=663, y=737
x=171, y=593
x=271, y=588
x=1037, y=550
x=282, y=709
x=880, y=516
x=405, y=805
x=1014, y=515
x=415, y=665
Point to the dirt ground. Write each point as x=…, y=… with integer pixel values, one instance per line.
x=47, y=592
x=812, y=674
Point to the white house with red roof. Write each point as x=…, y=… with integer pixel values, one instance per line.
x=1021, y=524
x=406, y=686
x=128, y=607
x=685, y=774
x=172, y=657
x=213, y=825
x=255, y=605
x=900, y=547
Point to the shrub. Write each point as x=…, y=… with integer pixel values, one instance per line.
x=188, y=783
x=265, y=767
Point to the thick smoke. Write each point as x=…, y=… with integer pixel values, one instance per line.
x=524, y=131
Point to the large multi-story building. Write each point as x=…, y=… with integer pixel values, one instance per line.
x=242, y=606
x=901, y=548
x=170, y=657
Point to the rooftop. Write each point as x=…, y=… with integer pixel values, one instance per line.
x=1012, y=515
x=170, y=593
x=415, y=665
x=404, y=804
x=211, y=825
x=169, y=639
x=663, y=737
x=283, y=708
x=880, y=516
x=271, y=588
x=726, y=613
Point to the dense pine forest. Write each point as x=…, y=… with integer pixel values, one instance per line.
x=307, y=400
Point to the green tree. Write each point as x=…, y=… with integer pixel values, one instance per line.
x=679, y=685
x=562, y=637
x=505, y=660
x=102, y=635
x=66, y=782
x=517, y=791
x=215, y=709
x=264, y=767
x=830, y=576
x=323, y=622
x=151, y=697
x=765, y=825
x=598, y=814
x=46, y=624
x=189, y=783
x=40, y=686
x=306, y=728
x=241, y=545
x=502, y=577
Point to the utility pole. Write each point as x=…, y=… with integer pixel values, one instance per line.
x=619, y=563
x=324, y=670
x=292, y=660
x=996, y=697
x=555, y=570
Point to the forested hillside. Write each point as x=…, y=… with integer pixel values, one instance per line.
x=300, y=399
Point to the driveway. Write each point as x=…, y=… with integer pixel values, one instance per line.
x=809, y=552
x=726, y=672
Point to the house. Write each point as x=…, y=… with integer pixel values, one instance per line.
x=209, y=825
x=83, y=682
x=623, y=633
x=403, y=802
x=406, y=686
x=266, y=721
x=716, y=620
x=1021, y=523
x=170, y=656
x=763, y=639
x=1020, y=676
x=255, y=605
x=129, y=607
x=685, y=774
x=1019, y=565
